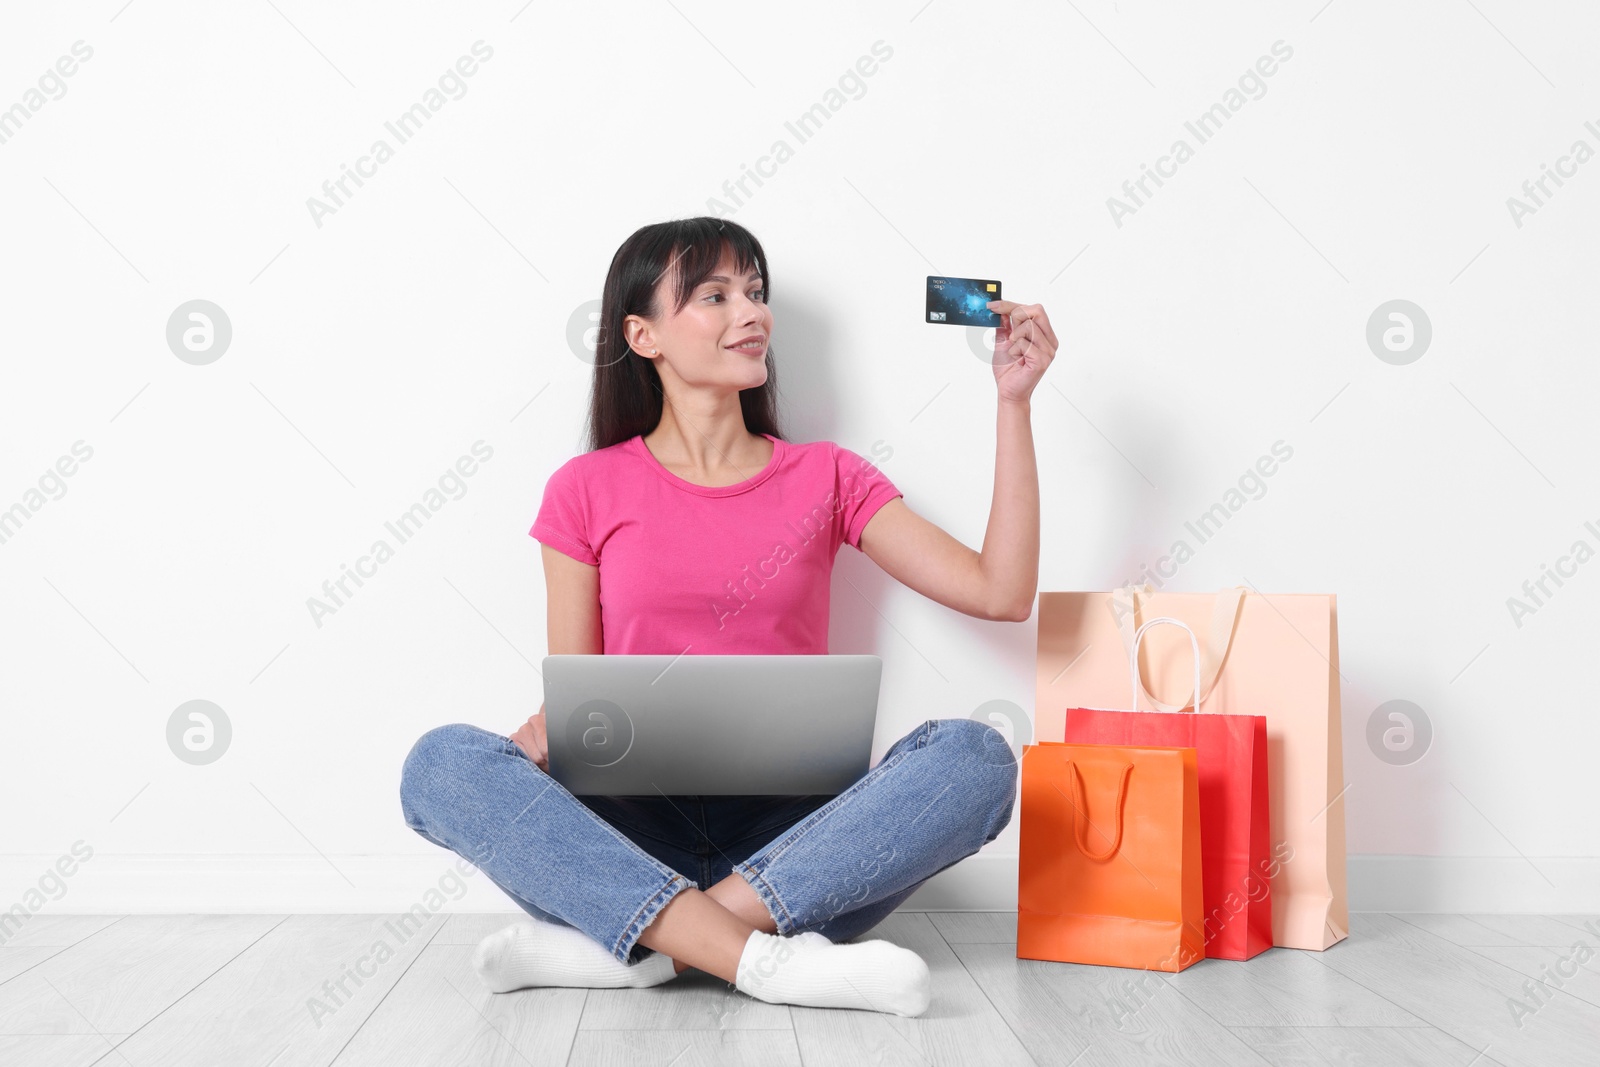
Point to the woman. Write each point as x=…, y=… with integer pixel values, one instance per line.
x=692, y=526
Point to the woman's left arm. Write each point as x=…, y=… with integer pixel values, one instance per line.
x=999, y=582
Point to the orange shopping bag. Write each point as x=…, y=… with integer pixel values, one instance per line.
x=1109, y=864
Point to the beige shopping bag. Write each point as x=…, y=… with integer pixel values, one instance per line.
x=1275, y=655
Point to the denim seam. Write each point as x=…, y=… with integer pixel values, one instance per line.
x=635, y=927
x=768, y=895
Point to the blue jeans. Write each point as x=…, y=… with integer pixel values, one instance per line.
x=607, y=865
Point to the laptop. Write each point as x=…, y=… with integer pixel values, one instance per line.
x=710, y=725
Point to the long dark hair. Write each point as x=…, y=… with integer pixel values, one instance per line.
x=627, y=399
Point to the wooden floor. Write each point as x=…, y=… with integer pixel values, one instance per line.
x=241, y=991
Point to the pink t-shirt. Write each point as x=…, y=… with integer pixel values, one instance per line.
x=737, y=569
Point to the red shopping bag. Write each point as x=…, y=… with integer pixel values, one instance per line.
x=1231, y=750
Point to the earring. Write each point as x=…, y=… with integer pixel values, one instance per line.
x=653, y=352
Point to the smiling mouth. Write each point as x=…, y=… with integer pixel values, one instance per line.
x=749, y=346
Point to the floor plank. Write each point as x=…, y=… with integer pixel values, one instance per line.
x=56, y=1050
x=41, y=937
x=439, y=1013
x=1284, y=987
x=1464, y=994
x=1068, y=1013
x=976, y=927
x=119, y=978
x=1534, y=931
x=1547, y=965
x=961, y=1025
x=1459, y=929
x=1357, y=1046
x=299, y=993
x=15, y=961
x=685, y=1048
x=54, y=930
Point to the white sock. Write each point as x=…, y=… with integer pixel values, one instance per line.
x=535, y=953
x=809, y=970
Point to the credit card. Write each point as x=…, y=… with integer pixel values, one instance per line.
x=960, y=301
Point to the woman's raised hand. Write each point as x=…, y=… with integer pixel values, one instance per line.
x=1024, y=345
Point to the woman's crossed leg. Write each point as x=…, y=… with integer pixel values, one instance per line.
x=940, y=793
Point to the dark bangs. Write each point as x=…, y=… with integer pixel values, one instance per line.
x=696, y=250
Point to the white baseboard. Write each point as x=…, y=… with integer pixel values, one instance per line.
x=109, y=883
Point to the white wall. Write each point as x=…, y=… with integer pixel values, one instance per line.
x=432, y=310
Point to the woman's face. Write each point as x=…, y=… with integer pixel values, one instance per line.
x=700, y=345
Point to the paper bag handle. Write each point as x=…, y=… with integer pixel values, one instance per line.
x=1133, y=663
x=1224, y=619
x=1081, y=812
